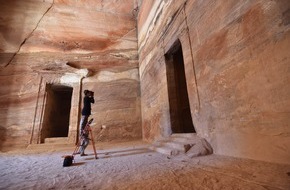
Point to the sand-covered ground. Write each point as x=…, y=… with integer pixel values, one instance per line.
x=132, y=166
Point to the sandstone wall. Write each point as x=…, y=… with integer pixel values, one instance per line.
x=117, y=105
x=236, y=56
x=58, y=42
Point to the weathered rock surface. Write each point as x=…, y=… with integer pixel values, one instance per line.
x=70, y=28
x=180, y=144
x=199, y=148
x=236, y=59
x=235, y=54
x=54, y=42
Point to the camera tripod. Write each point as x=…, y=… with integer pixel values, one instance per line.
x=87, y=130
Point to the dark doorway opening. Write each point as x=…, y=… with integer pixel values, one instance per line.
x=57, y=111
x=180, y=116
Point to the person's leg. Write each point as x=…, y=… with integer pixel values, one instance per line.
x=85, y=142
x=84, y=121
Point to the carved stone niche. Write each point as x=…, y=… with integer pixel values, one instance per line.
x=178, y=57
x=58, y=107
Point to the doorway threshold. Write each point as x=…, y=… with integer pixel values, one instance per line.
x=56, y=140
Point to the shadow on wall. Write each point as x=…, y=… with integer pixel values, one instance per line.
x=2, y=137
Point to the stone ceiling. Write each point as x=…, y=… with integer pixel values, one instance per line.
x=50, y=35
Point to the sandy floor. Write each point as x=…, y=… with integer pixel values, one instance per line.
x=133, y=166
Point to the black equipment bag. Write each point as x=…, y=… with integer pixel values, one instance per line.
x=68, y=160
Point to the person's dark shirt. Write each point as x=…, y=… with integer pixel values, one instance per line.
x=87, y=105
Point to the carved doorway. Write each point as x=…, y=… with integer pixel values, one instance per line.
x=180, y=115
x=57, y=111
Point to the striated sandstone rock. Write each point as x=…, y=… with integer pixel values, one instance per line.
x=236, y=59
x=45, y=43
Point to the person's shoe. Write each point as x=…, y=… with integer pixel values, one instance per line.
x=83, y=154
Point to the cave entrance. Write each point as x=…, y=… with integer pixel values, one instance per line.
x=57, y=111
x=180, y=115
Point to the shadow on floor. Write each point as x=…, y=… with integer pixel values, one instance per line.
x=119, y=153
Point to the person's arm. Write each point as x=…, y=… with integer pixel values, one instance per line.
x=92, y=100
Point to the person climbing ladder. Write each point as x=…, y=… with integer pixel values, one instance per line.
x=84, y=140
x=86, y=112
